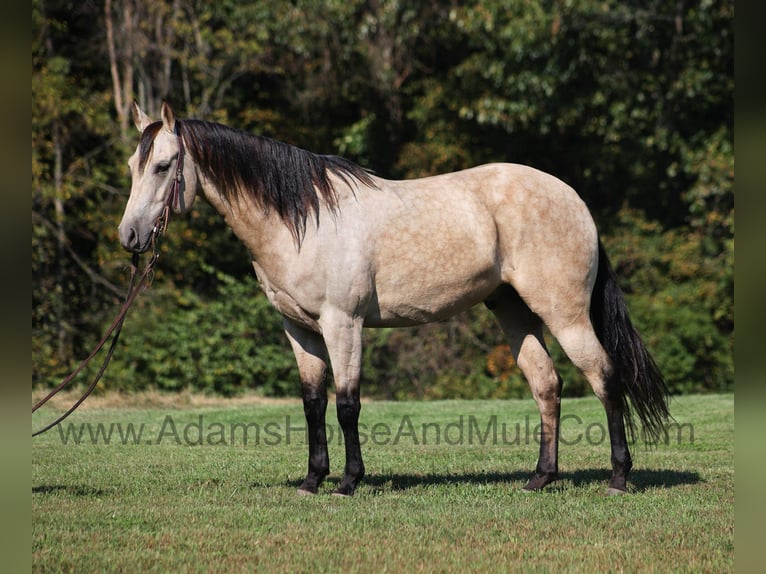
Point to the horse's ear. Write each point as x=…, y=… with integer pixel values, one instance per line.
x=168, y=118
x=140, y=118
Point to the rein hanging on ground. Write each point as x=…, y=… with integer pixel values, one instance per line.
x=173, y=201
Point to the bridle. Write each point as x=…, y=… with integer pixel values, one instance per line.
x=174, y=198
x=134, y=288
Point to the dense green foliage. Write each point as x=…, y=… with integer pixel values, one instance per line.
x=631, y=103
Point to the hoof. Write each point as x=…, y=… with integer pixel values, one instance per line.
x=304, y=492
x=538, y=482
x=344, y=490
x=341, y=494
x=612, y=491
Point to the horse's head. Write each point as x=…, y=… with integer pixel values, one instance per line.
x=153, y=168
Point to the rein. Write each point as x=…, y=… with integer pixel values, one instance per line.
x=160, y=225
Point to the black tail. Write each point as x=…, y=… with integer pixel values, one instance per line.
x=636, y=377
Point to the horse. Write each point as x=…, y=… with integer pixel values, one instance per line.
x=337, y=249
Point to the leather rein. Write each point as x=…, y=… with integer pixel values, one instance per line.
x=134, y=288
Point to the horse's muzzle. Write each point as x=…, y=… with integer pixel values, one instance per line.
x=131, y=239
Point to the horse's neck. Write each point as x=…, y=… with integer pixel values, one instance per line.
x=259, y=231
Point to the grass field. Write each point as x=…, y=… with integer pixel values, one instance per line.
x=212, y=488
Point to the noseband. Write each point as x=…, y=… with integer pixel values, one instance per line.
x=173, y=202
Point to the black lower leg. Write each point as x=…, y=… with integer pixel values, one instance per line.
x=548, y=398
x=621, y=461
x=349, y=406
x=315, y=406
x=547, y=469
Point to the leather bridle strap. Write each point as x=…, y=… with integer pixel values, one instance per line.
x=175, y=191
x=173, y=202
x=116, y=328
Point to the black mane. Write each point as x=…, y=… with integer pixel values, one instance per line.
x=276, y=175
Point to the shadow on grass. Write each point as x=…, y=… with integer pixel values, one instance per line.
x=70, y=489
x=639, y=481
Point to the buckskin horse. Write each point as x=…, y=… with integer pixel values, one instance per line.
x=336, y=249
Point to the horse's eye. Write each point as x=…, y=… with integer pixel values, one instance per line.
x=162, y=167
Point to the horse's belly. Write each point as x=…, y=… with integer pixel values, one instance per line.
x=434, y=291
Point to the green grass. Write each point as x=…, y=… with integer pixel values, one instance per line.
x=453, y=506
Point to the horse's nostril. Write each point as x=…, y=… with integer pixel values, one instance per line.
x=129, y=238
x=132, y=237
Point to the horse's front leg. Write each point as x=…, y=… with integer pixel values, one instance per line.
x=311, y=355
x=343, y=337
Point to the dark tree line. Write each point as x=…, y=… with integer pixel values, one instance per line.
x=629, y=102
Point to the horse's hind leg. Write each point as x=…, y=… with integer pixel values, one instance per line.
x=524, y=331
x=580, y=343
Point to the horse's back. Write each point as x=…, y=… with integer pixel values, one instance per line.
x=517, y=210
